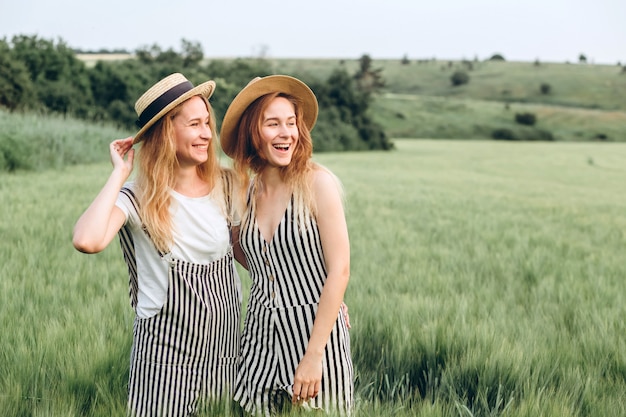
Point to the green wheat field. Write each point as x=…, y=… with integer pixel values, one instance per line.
x=487, y=280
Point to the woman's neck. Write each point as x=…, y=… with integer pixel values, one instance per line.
x=189, y=183
x=271, y=179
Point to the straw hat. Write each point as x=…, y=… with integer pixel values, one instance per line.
x=259, y=87
x=163, y=97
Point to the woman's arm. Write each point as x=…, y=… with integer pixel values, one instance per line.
x=98, y=225
x=336, y=246
x=237, y=251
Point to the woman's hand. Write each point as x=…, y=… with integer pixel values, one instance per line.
x=119, y=149
x=307, y=379
x=346, y=316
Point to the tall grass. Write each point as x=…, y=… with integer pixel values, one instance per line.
x=31, y=141
x=491, y=275
x=65, y=320
x=487, y=280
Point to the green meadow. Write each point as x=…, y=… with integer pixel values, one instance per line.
x=487, y=279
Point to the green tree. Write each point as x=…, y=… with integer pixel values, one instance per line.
x=60, y=79
x=115, y=87
x=38, y=73
x=16, y=88
x=147, y=54
x=108, y=84
x=230, y=78
x=369, y=80
x=192, y=53
x=342, y=103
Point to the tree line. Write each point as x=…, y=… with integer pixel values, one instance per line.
x=44, y=76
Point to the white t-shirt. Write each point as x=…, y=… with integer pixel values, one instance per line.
x=201, y=236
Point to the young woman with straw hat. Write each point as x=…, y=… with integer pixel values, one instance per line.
x=295, y=344
x=174, y=222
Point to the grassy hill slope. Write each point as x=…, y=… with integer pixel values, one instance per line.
x=585, y=101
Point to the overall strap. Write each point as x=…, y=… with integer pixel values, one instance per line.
x=128, y=249
x=227, y=189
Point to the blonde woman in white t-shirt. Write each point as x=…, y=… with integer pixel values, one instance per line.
x=175, y=226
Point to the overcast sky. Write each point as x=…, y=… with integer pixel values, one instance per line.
x=521, y=30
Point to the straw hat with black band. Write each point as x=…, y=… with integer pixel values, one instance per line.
x=163, y=97
x=259, y=87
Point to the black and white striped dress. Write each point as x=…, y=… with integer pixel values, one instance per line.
x=288, y=274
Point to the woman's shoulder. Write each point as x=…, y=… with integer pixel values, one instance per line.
x=129, y=192
x=324, y=182
x=130, y=185
x=128, y=202
x=322, y=176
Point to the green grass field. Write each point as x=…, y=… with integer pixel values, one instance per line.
x=487, y=280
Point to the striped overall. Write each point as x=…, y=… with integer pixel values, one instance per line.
x=187, y=352
x=288, y=274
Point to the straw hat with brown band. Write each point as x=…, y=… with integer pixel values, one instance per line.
x=259, y=87
x=163, y=97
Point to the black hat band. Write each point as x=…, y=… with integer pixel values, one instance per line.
x=161, y=102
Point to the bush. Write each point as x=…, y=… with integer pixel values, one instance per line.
x=545, y=88
x=503, y=134
x=545, y=135
x=14, y=153
x=497, y=57
x=522, y=134
x=528, y=119
x=459, y=78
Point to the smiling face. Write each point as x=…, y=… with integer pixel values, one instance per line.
x=193, y=132
x=279, y=132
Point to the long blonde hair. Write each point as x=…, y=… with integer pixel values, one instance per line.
x=157, y=175
x=249, y=162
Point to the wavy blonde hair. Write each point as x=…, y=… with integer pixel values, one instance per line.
x=156, y=176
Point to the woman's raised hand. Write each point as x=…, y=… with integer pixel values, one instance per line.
x=120, y=148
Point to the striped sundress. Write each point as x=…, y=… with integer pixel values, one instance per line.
x=187, y=353
x=288, y=274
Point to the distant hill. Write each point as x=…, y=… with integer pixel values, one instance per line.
x=570, y=101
